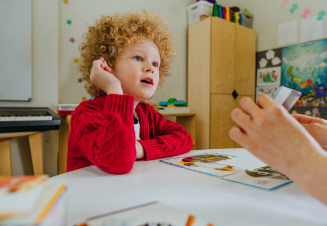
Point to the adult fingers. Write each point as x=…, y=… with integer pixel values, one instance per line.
x=264, y=101
x=249, y=107
x=315, y=129
x=241, y=138
x=241, y=118
x=308, y=119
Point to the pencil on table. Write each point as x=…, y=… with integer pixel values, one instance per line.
x=190, y=220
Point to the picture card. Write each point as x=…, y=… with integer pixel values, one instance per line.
x=221, y=166
x=287, y=97
x=149, y=214
x=214, y=164
x=263, y=177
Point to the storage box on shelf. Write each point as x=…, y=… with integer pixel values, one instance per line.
x=199, y=10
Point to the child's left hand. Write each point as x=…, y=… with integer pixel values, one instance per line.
x=139, y=150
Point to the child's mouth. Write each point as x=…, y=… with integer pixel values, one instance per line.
x=147, y=81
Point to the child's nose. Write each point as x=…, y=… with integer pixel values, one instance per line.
x=148, y=68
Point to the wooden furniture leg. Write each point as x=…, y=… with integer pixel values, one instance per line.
x=5, y=158
x=36, y=153
x=63, y=143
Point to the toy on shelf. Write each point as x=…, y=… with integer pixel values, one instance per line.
x=215, y=11
x=172, y=102
x=173, y=106
x=66, y=109
x=233, y=14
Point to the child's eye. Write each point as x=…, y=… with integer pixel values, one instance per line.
x=138, y=58
x=155, y=64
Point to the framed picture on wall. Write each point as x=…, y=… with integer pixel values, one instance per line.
x=269, y=58
x=269, y=90
x=268, y=65
x=269, y=76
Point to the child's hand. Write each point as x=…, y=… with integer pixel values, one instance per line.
x=139, y=150
x=102, y=77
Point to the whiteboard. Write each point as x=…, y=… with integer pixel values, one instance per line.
x=15, y=50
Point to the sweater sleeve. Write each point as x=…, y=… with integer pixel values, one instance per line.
x=107, y=139
x=170, y=138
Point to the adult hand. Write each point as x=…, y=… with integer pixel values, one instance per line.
x=317, y=127
x=102, y=77
x=268, y=131
x=273, y=135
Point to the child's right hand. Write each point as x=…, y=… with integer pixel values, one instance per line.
x=102, y=77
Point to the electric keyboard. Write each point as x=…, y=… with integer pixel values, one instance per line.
x=16, y=119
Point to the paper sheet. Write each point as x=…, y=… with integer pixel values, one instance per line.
x=287, y=33
x=311, y=29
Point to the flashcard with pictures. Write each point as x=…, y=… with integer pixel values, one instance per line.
x=287, y=97
x=263, y=177
x=213, y=164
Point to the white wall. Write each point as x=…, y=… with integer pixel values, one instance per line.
x=268, y=15
x=45, y=45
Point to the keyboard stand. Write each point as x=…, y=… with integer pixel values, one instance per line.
x=35, y=142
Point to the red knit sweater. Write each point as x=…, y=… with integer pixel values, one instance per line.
x=102, y=134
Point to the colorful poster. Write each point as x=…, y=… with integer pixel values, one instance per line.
x=268, y=76
x=304, y=69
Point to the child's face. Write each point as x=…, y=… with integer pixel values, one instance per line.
x=137, y=68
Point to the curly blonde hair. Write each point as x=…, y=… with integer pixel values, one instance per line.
x=111, y=34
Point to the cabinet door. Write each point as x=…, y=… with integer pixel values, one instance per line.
x=220, y=120
x=222, y=61
x=245, y=60
x=238, y=106
x=199, y=79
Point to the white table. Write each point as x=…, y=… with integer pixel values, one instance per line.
x=92, y=192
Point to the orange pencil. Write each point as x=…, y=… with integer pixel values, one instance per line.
x=190, y=220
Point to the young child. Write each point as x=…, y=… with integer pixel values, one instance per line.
x=124, y=59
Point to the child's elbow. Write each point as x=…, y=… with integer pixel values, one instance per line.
x=119, y=169
x=124, y=170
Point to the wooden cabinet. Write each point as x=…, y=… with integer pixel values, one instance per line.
x=221, y=70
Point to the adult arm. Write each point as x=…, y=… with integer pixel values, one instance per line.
x=268, y=131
